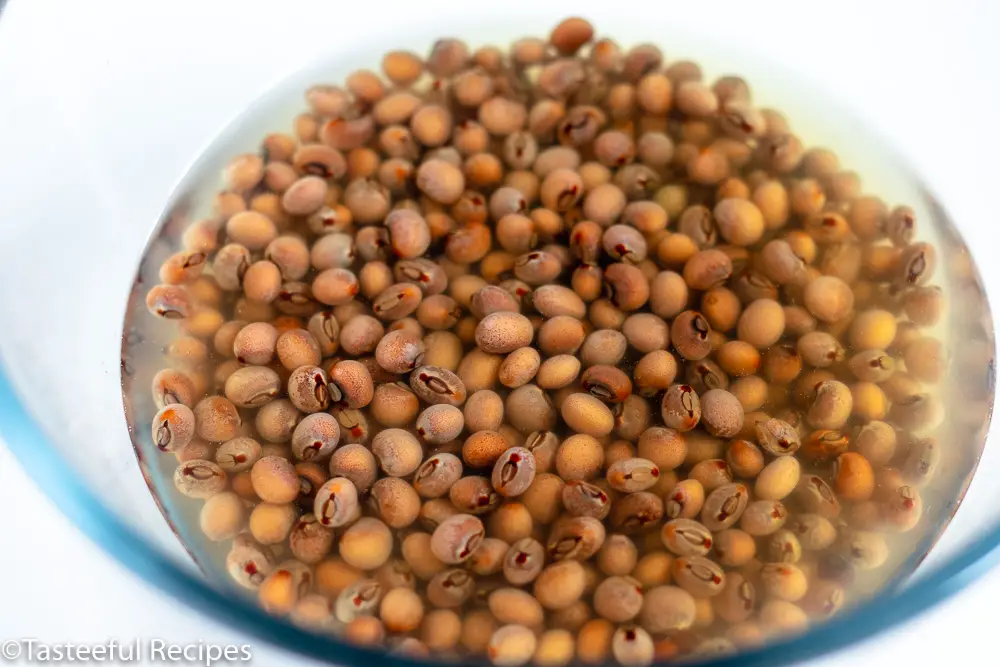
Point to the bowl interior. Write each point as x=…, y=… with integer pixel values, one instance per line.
x=62, y=357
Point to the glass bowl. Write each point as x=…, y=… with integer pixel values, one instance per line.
x=70, y=264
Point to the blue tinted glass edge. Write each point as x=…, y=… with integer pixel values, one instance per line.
x=52, y=474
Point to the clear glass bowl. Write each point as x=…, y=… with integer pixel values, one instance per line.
x=69, y=259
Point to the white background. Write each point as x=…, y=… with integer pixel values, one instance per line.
x=925, y=76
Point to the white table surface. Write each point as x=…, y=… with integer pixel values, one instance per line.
x=927, y=80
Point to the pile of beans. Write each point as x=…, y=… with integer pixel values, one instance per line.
x=548, y=354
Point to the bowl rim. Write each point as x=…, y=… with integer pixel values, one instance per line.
x=55, y=477
x=51, y=472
